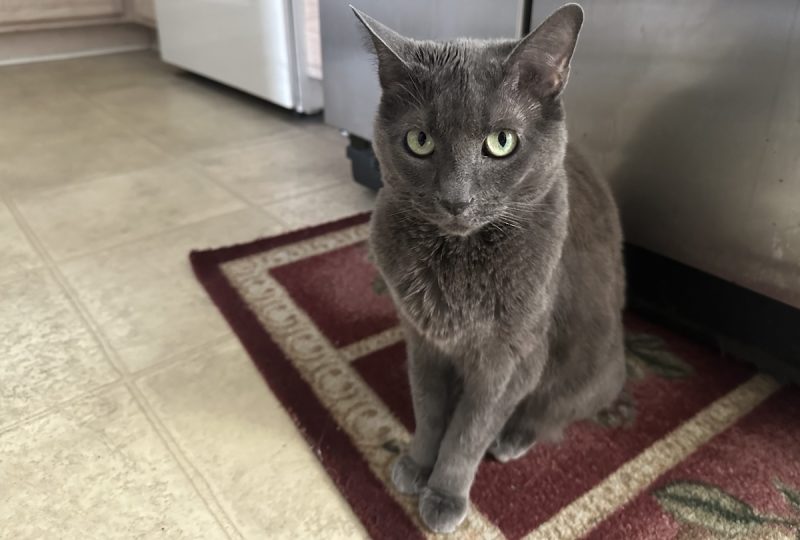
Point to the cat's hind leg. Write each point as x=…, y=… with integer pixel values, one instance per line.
x=619, y=413
x=518, y=434
x=544, y=415
x=512, y=445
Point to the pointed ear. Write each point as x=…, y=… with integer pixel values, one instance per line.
x=389, y=46
x=541, y=59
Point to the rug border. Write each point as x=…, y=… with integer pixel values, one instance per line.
x=237, y=251
x=287, y=384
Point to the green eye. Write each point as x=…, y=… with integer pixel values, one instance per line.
x=419, y=142
x=500, y=143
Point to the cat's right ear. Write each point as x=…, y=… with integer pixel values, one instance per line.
x=388, y=46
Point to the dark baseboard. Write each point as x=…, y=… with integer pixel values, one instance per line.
x=42, y=44
x=739, y=322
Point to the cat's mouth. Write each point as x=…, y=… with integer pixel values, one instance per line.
x=457, y=227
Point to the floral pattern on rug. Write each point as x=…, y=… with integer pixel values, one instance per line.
x=707, y=511
x=648, y=353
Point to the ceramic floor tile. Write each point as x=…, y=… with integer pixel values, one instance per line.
x=186, y=115
x=47, y=354
x=102, y=73
x=176, y=99
x=108, y=160
x=233, y=430
x=213, y=129
x=16, y=253
x=35, y=77
x=10, y=90
x=86, y=152
x=31, y=119
x=144, y=296
x=93, y=215
x=328, y=204
x=96, y=469
x=298, y=162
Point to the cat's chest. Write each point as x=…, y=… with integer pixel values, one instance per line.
x=446, y=287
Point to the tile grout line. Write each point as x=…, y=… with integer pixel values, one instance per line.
x=303, y=225
x=61, y=404
x=189, y=160
x=50, y=266
x=11, y=199
x=245, y=144
x=286, y=227
x=241, y=198
x=216, y=508
x=169, y=159
x=259, y=204
x=144, y=238
x=227, y=146
x=17, y=194
x=125, y=130
x=192, y=474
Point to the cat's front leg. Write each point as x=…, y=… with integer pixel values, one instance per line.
x=430, y=376
x=486, y=402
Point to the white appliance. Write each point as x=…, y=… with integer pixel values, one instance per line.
x=268, y=48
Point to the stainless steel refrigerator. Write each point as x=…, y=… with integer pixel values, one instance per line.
x=692, y=111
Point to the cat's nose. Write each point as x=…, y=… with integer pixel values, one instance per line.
x=455, y=207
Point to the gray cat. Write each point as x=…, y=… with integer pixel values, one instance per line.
x=501, y=249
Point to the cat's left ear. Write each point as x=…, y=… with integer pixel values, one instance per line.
x=541, y=59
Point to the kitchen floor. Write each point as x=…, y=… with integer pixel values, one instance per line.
x=127, y=407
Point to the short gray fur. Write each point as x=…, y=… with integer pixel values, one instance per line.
x=512, y=307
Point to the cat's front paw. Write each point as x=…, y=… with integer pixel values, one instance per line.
x=408, y=477
x=441, y=512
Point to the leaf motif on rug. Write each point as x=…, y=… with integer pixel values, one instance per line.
x=696, y=504
x=649, y=353
x=791, y=496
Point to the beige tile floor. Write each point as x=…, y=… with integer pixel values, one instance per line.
x=127, y=407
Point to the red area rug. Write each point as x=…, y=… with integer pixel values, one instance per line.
x=714, y=450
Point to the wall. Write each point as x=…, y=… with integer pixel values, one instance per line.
x=33, y=30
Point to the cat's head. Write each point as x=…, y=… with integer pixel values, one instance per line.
x=469, y=132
